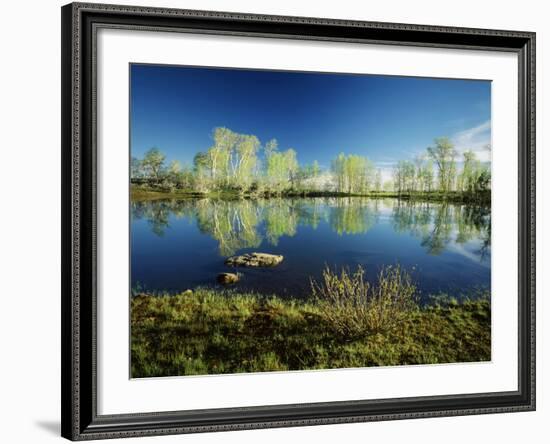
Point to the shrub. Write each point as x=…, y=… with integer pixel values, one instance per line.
x=354, y=307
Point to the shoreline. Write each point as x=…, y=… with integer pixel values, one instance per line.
x=152, y=193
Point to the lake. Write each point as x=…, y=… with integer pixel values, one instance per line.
x=181, y=244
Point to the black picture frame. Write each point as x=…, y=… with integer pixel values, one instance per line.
x=80, y=420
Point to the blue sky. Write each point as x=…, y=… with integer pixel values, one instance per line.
x=386, y=118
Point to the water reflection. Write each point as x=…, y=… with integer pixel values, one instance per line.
x=437, y=225
x=246, y=223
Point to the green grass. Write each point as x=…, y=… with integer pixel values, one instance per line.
x=142, y=192
x=212, y=332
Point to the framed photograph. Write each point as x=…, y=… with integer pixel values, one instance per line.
x=282, y=221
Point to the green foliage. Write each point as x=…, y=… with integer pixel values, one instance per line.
x=443, y=154
x=153, y=163
x=404, y=175
x=355, y=308
x=281, y=170
x=353, y=174
x=424, y=174
x=136, y=168
x=237, y=163
x=229, y=162
x=378, y=181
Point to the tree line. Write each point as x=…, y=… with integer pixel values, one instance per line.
x=240, y=163
x=420, y=176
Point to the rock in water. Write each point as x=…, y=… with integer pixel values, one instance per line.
x=254, y=260
x=227, y=278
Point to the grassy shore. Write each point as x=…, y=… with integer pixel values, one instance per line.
x=140, y=193
x=212, y=332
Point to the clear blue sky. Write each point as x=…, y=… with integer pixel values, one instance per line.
x=385, y=118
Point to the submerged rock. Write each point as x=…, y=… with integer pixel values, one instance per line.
x=254, y=260
x=228, y=278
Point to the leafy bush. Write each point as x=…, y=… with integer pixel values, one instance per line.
x=355, y=308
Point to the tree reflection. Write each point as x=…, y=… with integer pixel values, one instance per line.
x=441, y=230
x=439, y=224
x=353, y=215
x=281, y=219
x=232, y=223
x=245, y=223
x=157, y=212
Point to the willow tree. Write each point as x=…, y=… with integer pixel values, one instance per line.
x=443, y=154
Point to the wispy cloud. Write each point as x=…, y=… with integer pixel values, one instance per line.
x=474, y=257
x=474, y=139
x=386, y=172
x=386, y=166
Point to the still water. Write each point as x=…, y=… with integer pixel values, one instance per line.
x=181, y=244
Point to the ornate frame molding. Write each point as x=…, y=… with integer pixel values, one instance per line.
x=80, y=22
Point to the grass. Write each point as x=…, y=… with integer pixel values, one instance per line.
x=141, y=192
x=211, y=332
